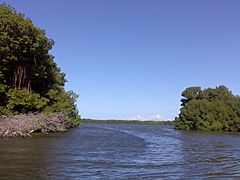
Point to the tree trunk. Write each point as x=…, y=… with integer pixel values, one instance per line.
x=22, y=77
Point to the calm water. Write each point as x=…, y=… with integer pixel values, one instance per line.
x=122, y=151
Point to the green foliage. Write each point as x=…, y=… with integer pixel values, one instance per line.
x=24, y=58
x=210, y=109
x=61, y=101
x=29, y=78
x=19, y=100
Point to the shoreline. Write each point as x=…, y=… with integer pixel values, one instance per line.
x=127, y=121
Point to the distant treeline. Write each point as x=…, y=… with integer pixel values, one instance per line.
x=126, y=121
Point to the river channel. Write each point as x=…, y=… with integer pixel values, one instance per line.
x=122, y=151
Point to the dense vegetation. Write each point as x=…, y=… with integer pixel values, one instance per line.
x=126, y=121
x=215, y=109
x=30, y=80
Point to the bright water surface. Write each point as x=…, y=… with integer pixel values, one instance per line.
x=122, y=151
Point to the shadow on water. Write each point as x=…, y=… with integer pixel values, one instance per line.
x=122, y=151
x=22, y=158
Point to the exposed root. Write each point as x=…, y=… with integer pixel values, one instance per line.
x=24, y=125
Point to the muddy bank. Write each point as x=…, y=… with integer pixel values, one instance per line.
x=25, y=124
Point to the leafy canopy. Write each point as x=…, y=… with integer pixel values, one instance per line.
x=30, y=80
x=215, y=109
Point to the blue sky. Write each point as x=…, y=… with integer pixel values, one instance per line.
x=131, y=59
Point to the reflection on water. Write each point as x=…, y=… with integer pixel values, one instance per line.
x=122, y=151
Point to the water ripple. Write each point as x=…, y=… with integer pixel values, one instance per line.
x=122, y=151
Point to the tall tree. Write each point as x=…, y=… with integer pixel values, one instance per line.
x=28, y=73
x=24, y=56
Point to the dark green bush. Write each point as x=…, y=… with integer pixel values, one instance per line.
x=215, y=109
